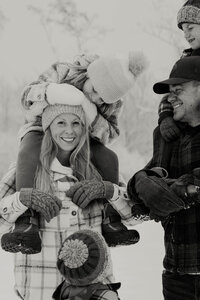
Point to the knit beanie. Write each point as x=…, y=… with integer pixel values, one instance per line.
x=53, y=111
x=84, y=258
x=113, y=77
x=189, y=13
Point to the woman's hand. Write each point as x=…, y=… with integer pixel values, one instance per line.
x=46, y=204
x=82, y=193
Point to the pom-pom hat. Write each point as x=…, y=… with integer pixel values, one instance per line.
x=113, y=77
x=189, y=13
x=185, y=69
x=84, y=258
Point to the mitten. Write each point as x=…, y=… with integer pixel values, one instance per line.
x=90, y=110
x=47, y=205
x=169, y=129
x=138, y=209
x=63, y=93
x=82, y=193
x=156, y=194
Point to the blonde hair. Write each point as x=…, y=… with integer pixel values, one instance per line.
x=79, y=161
x=78, y=70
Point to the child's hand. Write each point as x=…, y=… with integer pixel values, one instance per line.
x=63, y=93
x=169, y=130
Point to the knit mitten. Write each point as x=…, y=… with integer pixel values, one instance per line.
x=25, y=237
x=46, y=204
x=114, y=232
x=83, y=192
x=169, y=129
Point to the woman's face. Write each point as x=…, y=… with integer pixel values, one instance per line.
x=66, y=131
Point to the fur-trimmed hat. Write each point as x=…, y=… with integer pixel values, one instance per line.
x=53, y=111
x=189, y=13
x=84, y=258
x=113, y=77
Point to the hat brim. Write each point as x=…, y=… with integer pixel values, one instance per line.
x=162, y=87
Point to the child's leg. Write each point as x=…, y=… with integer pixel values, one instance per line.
x=114, y=232
x=25, y=236
x=28, y=159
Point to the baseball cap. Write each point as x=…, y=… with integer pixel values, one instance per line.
x=185, y=69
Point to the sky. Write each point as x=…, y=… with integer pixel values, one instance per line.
x=25, y=53
x=25, y=50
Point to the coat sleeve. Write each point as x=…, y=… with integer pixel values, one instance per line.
x=10, y=206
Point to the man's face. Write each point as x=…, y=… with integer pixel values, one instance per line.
x=192, y=34
x=185, y=99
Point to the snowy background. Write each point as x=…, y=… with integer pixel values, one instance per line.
x=33, y=35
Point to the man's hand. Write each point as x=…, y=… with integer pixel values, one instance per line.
x=156, y=194
x=82, y=193
x=46, y=204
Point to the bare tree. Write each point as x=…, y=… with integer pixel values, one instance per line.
x=64, y=13
x=2, y=19
x=164, y=26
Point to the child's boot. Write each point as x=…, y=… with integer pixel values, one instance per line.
x=114, y=232
x=25, y=237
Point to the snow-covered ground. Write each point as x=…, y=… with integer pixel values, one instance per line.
x=138, y=267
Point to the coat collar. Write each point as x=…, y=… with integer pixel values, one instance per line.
x=60, y=169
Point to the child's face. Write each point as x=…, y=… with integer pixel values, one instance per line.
x=89, y=91
x=192, y=34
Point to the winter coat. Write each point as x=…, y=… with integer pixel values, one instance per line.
x=36, y=276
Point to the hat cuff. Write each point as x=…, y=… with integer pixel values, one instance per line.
x=53, y=111
x=162, y=87
x=188, y=14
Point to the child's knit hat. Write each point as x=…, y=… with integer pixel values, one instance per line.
x=53, y=111
x=189, y=13
x=112, y=77
x=84, y=258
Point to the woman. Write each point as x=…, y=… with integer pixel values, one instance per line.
x=64, y=160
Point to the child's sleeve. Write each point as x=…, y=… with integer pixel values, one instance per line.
x=105, y=126
x=165, y=109
x=168, y=127
x=36, y=91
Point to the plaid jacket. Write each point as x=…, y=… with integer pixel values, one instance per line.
x=36, y=276
x=182, y=230
x=104, y=127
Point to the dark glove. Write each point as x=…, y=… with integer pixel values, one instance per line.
x=83, y=192
x=187, y=187
x=156, y=194
x=47, y=205
x=169, y=129
x=138, y=209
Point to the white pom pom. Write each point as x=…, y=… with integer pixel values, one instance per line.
x=137, y=62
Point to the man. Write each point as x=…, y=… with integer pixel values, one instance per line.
x=176, y=200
